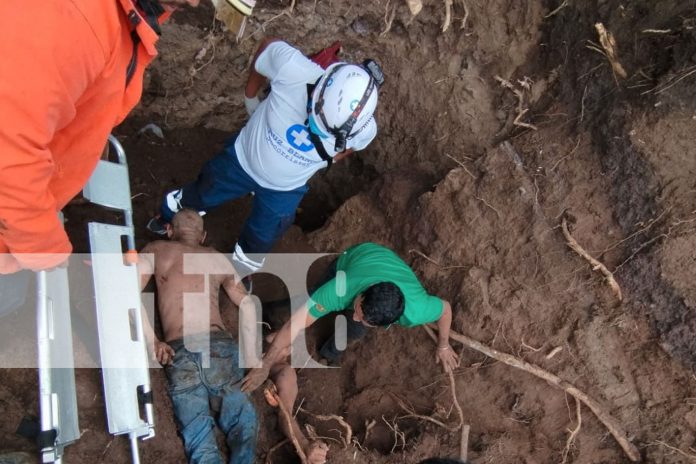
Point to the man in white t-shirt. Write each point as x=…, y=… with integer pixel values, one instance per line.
x=311, y=117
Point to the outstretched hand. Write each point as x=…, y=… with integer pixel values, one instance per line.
x=254, y=379
x=447, y=357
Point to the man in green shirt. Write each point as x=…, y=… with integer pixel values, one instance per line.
x=381, y=289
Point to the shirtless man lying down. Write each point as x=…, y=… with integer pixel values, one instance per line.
x=192, y=383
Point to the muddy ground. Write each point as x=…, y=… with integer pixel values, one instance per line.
x=473, y=201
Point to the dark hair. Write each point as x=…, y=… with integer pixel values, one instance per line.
x=441, y=461
x=382, y=304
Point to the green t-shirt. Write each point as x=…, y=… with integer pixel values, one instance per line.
x=367, y=264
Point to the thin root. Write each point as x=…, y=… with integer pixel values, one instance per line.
x=448, y=15
x=388, y=19
x=423, y=255
x=596, y=265
x=573, y=433
x=606, y=39
x=347, y=440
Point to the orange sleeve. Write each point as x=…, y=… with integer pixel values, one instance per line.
x=49, y=57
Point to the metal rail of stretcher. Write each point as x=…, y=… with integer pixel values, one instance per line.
x=122, y=346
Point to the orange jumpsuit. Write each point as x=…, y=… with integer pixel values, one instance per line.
x=62, y=90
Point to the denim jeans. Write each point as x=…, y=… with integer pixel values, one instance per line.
x=192, y=386
x=223, y=179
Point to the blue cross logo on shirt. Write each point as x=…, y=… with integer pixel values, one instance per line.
x=298, y=138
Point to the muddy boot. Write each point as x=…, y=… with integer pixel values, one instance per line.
x=17, y=458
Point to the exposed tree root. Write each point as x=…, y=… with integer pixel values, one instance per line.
x=411, y=414
x=596, y=265
x=348, y=438
x=573, y=433
x=606, y=40
x=448, y=15
x=609, y=422
x=525, y=84
x=464, y=441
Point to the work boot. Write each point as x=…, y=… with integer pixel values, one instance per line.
x=17, y=458
x=157, y=226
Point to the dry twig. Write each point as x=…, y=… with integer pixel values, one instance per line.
x=596, y=265
x=609, y=422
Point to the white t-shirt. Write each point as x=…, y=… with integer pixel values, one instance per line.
x=274, y=146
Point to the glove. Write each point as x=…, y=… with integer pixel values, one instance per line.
x=251, y=104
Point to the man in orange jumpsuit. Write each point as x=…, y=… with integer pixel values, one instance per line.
x=71, y=70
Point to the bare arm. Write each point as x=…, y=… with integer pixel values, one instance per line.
x=445, y=354
x=343, y=154
x=249, y=327
x=256, y=80
x=146, y=269
x=300, y=320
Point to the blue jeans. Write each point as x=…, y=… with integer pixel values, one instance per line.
x=191, y=388
x=223, y=179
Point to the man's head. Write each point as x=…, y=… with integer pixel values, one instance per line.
x=381, y=304
x=187, y=226
x=343, y=102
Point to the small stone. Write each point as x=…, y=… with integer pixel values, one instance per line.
x=360, y=26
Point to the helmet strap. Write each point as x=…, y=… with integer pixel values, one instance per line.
x=343, y=132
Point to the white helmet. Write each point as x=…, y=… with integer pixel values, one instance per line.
x=343, y=102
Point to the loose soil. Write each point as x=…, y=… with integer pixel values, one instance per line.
x=615, y=156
